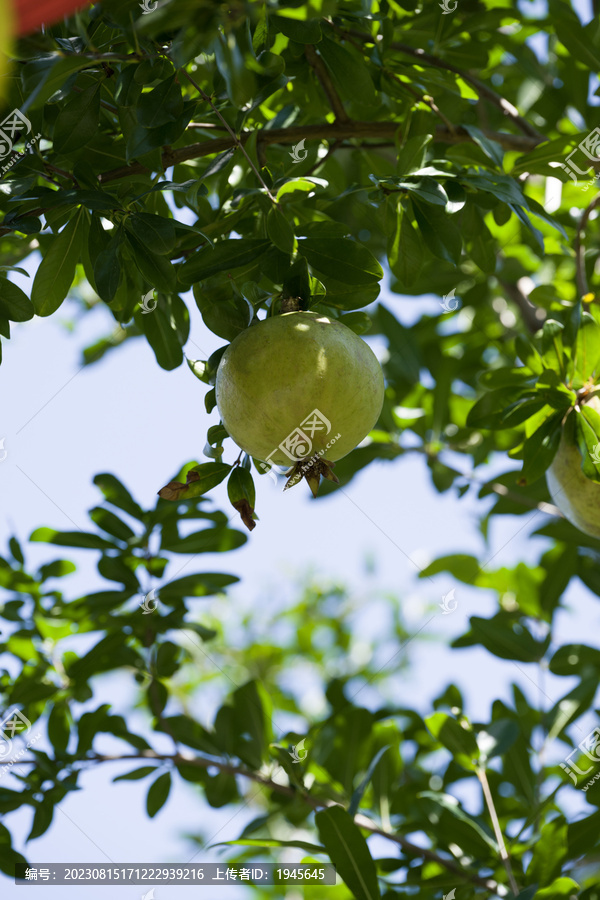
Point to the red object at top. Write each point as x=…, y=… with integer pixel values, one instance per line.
x=32, y=14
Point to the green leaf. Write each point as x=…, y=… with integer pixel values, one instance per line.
x=441, y=235
x=158, y=794
x=240, y=486
x=211, y=540
x=157, y=270
x=232, y=64
x=347, y=296
x=42, y=77
x=56, y=271
x=190, y=733
x=349, y=72
x=560, y=889
x=491, y=149
x=412, y=153
x=111, y=523
x=203, y=584
x=242, y=495
x=572, y=659
x=405, y=250
x=360, y=790
x=78, y=121
x=449, y=803
x=161, y=105
x=42, y=819
x=549, y=852
x=205, y=477
x=161, y=333
x=117, y=494
x=59, y=727
x=304, y=31
x=587, y=430
x=156, y=232
x=349, y=852
x=107, y=266
x=426, y=188
x=342, y=259
x=280, y=231
x=225, y=255
x=271, y=842
x=14, y=303
x=540, y=449
x=573, y=35
x=496, y=738
x=459, y=740
x=136, y=774
x=114, y=568
x=57, y=569
x=223, y=309
x=72, y=539
x=504, y=638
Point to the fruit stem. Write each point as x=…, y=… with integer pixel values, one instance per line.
x=291, y=304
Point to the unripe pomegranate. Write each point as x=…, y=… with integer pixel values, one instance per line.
x=577, y=497
x=298, y=387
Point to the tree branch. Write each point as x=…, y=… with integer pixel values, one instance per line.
x=233, y=135
x=532, y=315
x=315, y=802
x=334, y=131
x=322, y=74
x=500, y=489
x=481, y=774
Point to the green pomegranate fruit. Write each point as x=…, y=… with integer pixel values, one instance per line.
x=297, y=387
x=577, y=497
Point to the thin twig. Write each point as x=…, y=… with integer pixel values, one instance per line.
x=235, y=138
x=423, y=98
x=481, y=774
x=500, y=489
x=62, y=172
x=582, y=286
x=323, y=159
x=314, y=802
x=322, y=74
x=482, y=89
x=528, y=311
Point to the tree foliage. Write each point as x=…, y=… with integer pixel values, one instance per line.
x=229, y=158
